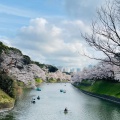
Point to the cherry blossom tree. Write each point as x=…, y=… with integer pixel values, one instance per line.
x=58, y=75
x=102, y=71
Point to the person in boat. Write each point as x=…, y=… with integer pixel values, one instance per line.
x=33, y=101
x=38, y=97
x=66, y=110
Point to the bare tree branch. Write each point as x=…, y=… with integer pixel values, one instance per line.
x=105, y=35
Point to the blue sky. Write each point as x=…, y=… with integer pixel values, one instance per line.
x=49, y=30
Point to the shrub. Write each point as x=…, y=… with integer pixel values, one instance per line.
x=7, y=84
x=38, y=80
x=3, y=47
x=39, y=64
x=15, y=50
x=52, y=68
x=26, y=59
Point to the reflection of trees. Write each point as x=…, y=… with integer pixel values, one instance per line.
x=102, y=110
x=108, y=111
x=8, y=117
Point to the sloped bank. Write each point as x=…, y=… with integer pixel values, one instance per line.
x=106, y=90
x=9, y=90
x=104, y=97
x=6, y=102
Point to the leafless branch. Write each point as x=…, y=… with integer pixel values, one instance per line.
x=105, y=32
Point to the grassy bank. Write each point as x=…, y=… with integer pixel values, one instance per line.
x=52, y=81
x=5, y=100
x=101, y=87
x=9, y=91
x=38, y=81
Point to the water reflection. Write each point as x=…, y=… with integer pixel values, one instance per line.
x=7, y=117
x=52, y=104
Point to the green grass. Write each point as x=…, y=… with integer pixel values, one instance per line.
x=103, y=87
x=64, y=81
x=4, y=97
x=5, y=100
x=56, y=81
x=20, y=83
x=52, y=80
x=86, y=81
x=38, y=80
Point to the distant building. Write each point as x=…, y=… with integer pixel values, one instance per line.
x=90, y=66
x=64, y=70
x=78, y=69
x=68, y=69
x=72, y=70
x=60, y=68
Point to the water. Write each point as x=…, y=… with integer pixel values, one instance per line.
x=52, y=103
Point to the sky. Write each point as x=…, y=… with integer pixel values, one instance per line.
x=49, y=31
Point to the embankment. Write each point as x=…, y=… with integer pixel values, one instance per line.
x=107, y=90
x=6, y=102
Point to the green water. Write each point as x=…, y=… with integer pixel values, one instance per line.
x=52, y=103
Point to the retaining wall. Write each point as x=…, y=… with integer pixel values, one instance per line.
x=104, y=97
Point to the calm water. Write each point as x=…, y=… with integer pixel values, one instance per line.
x=52, y=103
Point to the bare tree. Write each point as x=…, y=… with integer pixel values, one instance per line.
x=105, y=34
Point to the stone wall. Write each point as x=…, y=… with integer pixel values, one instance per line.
x=104, y=97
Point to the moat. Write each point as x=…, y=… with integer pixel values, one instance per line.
x=53, y=102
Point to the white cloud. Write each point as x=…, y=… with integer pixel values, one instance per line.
x=55, y=42
x=5, y=41
x=51, y=43
x=82, y=8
